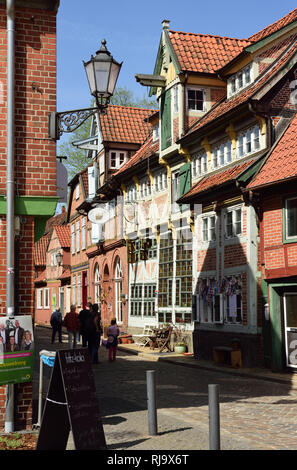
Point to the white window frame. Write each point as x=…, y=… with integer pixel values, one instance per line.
x=288, y=237
x=199, y=164
x=117, y=158
x=77, y=191
x=250, y=144
x=233, y=211
x=175, y=99
x=145, y=187
x=226, y=297
x=131, y=194
x=83, y=233
x=239, y=82
x=209, y=308
x=46, y=298
x=209, y=228
x=78, y=295
x=74, y=290
x=39, y=295
x=97, y=285
x=156, y=132
x=77, y=231
x=195, y=89
x=73, y=239
x=160, y=182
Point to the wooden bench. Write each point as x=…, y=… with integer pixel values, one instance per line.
x=227, y=355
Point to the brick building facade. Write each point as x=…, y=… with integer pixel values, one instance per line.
x=35, y=155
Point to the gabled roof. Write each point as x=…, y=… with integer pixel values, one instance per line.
x=39, y=251
x=204, y=53
x=148, y=148
x=58, y=219
x=125, y=124
x=63, y=234
x=274, y=27
x=227, y=105
x=281, y=163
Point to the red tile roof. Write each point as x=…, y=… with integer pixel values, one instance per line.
x=40, y=278
x=58, y=219
x=213, y=181
x=281, y=163
x=66, y=274
x=205, y=53
x=226, y=105
x=148, y=148
x=274, y=27
x=125, y=124
x=63, y=234
x=39, y=252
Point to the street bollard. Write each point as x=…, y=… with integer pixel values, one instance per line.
x=151, y=402
x=214, y=417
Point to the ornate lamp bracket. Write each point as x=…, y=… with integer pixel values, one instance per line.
x=69, y=121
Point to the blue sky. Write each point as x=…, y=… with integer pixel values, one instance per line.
x=132, y=30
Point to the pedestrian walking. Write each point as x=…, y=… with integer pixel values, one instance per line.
x=93, y=333
x=72, y=324
x=56, y=324
x=83, y=316
x=112, y=340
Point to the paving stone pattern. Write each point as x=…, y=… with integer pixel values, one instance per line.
x=254, y=414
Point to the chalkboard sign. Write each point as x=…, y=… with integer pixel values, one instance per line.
x=71, y=403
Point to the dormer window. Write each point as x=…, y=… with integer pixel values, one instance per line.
x=116, y=159
x=240, y=80
x=196, y=99
x=248, y=142
x=222, y=155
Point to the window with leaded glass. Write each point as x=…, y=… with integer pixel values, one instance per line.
x=165, y=269
x=142, y=300
x=184, y=255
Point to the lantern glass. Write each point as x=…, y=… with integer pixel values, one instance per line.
x=102, y=74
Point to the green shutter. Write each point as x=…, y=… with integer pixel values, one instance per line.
x=184, y=182
x=166, y=120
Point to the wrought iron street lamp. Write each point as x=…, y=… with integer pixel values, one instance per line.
x=102, y=73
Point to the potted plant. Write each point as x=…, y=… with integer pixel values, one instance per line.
x=180, y=347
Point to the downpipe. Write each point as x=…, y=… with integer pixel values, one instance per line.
x=10, y=191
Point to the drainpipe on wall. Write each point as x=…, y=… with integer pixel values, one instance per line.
x=10, y=189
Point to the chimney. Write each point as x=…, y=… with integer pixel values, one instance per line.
x=165, y=24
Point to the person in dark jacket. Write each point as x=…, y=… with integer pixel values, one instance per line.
x=56, y=324
x=83, y=317
x=72, y=324
x=93, y=333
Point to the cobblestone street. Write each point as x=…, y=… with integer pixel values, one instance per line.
x=254, y=414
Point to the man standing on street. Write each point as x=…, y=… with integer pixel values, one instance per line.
x=56, y=324
x=72, y=324
x=83, y=318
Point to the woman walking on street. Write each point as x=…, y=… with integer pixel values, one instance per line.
x=112, y=339
x=72, y=324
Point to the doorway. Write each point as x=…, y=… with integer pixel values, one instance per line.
x=290, y=324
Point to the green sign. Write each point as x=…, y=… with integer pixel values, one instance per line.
x=16, y=349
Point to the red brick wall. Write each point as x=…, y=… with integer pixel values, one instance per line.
x=35, y=91
x=35, y=168
x=278, y=259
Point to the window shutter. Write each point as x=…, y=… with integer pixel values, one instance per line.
x=166, y=120
x=184, y=182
